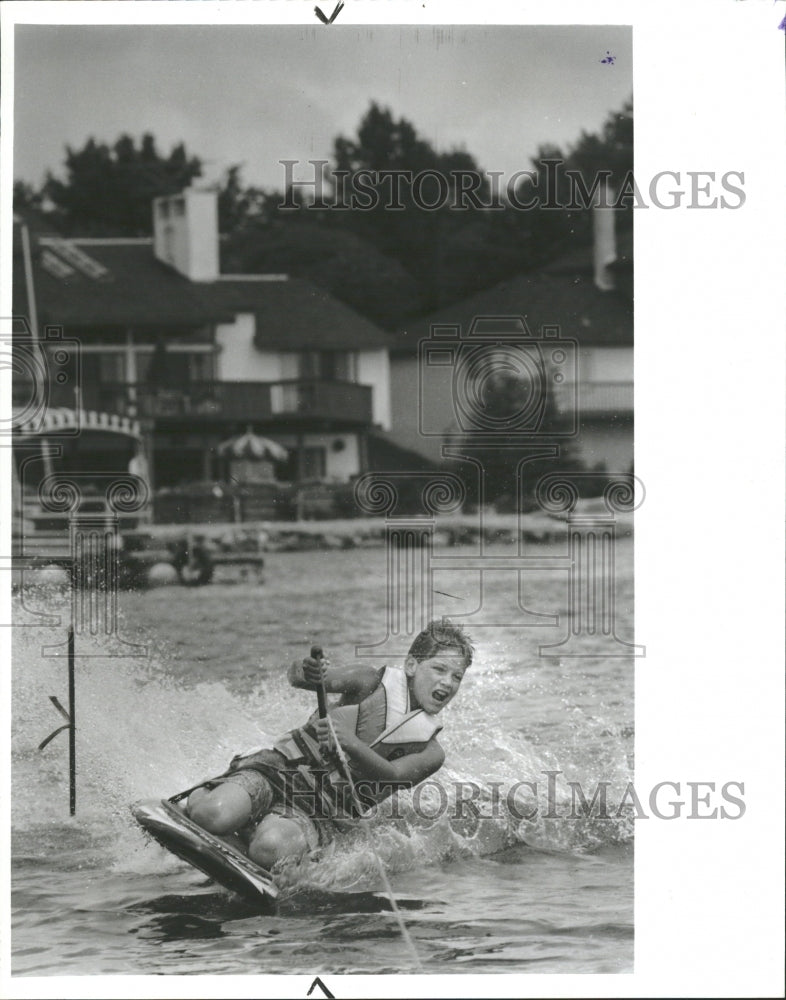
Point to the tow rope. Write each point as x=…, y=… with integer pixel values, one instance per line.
x=383, y=874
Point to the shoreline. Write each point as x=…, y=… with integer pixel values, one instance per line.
x=448, y=529
x=155, y=554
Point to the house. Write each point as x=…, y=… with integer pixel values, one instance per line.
x=584, y=298
x=156, y=357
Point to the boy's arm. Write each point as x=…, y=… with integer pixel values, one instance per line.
x=406, y=771
x=356, y=681
x=367, y=762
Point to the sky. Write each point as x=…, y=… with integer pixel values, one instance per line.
x=255, y=95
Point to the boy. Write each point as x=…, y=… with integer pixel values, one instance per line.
x=386, y=727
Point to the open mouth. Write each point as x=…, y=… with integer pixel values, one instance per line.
x=440, y=696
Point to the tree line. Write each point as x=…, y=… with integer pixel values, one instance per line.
x=388, y=265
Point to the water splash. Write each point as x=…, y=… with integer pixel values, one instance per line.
x=145, y=732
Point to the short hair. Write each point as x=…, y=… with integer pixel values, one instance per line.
x=439, y=635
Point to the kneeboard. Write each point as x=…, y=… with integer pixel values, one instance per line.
x=177, y=833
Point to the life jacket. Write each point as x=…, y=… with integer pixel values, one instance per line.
x=385, y=722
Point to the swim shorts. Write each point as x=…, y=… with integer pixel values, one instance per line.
x=266, y=798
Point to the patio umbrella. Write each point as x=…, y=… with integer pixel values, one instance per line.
x=251, y=445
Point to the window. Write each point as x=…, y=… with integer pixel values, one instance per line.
x=202, y=368
x=308, y=365
x=327, y=365
x=103, y=367
x=175, y=367
x=313, y=463
x=168, y=238
x=345, y=366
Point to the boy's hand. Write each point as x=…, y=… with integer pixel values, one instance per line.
x=343, y=729
x=314, y=670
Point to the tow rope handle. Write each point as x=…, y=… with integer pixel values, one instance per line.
x=318, y=654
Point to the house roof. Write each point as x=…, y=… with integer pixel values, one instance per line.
x=122, y=283
x=561, y=293
x=581, y=261
x=571, y=301
x=294, y=314
x=129, y=287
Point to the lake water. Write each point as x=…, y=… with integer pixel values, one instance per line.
x=92, y=896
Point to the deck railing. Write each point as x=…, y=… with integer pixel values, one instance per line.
x=288, y=400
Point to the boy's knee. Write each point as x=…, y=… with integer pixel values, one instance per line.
x=221, y=810
x=209, y=815
x=276, y=839
x=193, y=799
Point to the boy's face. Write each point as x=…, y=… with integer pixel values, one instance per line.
x=434, y=682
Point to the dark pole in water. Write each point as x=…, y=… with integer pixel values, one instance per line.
x=70, y=717
x=72, y=727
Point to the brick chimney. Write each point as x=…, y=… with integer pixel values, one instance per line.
x=604, y=240
x=185, y=233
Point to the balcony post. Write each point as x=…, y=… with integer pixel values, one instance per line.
x=131, y=378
